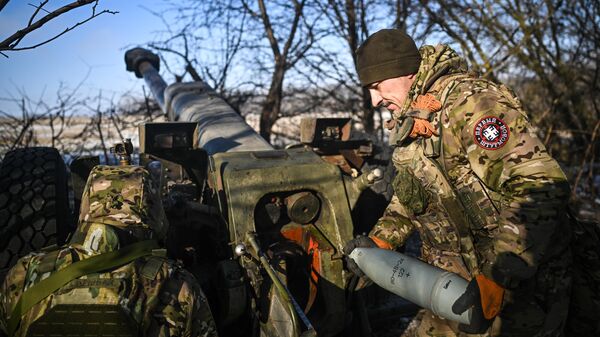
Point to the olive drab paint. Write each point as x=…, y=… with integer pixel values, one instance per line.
x=250, y=186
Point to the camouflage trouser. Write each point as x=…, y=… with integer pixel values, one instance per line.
x=538, y=307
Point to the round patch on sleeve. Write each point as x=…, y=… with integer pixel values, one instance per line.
x=491, y=133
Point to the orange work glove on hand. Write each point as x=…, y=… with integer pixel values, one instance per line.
x=380, y=243
x=485, y=297
x=491, y=296
x=422, y=127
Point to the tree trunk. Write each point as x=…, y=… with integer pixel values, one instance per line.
x=271, y=109
x=368, y=112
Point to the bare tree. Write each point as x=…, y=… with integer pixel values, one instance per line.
x=17, y=130
x=288, y=46
x=547, y=51
x=73, y=123
x=28, y=128
x=551, y=45
x=189, y=34
x=251, y=29
x=349, y=20
x=12, y=42
x=352, y=21
x=165, y=47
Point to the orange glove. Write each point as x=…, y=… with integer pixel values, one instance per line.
x=427, y=102
x=423, y=128
x=491, y=296
x=485, y=297
x=381, y=243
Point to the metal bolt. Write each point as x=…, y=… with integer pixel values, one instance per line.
x=240, y=249
x=375, y=175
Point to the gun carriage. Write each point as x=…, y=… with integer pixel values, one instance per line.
x=266, y=226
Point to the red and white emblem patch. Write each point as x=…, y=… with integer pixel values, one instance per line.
x=491, y=133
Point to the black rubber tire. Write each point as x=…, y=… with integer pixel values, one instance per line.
x=34, y=204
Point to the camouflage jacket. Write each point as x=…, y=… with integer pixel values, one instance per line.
x=484, y=195
x=162, y=298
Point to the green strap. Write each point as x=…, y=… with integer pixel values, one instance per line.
x=104, y=261
x=453, y=204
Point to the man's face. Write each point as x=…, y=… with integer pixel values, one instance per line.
x=391, y=92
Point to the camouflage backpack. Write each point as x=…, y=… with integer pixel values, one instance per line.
x=110, y=279
x=74, y=298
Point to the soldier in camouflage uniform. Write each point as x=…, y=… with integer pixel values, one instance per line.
x=120, y=206
x=486, y=198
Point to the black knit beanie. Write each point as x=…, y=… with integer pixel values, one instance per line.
x=386, y=54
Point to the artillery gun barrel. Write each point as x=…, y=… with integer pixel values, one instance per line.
x=298, y=204
x=155, y=82
x=220, y=127
x=146, y=64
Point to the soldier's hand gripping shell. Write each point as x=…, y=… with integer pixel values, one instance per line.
x=485, y=297
x=360, y=241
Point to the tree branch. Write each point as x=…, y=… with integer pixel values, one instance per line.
x=3, y=3
x=11, y=42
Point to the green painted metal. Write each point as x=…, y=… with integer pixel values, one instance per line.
x=259, y=190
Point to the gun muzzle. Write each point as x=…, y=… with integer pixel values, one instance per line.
x=145, y=64
x=220, y=127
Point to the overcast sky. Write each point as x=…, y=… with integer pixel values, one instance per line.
x=96, y=48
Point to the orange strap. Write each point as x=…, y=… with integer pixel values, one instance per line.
x=422, y=128
x=427, y=102
x=381, y=243
x=491, y=296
